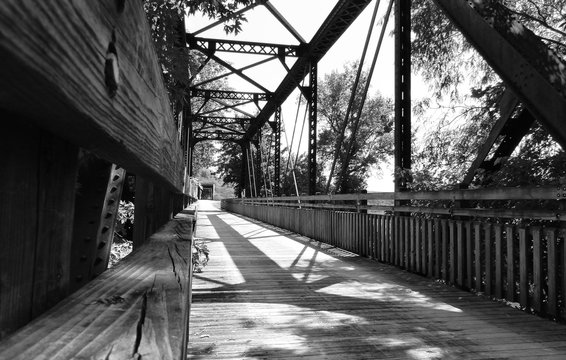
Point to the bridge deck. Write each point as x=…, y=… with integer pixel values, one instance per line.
x=267, y=293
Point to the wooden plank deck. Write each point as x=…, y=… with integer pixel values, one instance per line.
x=268, y=294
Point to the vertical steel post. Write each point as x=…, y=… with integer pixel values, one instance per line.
x=258, y=178
x=312, y=128
x=277, y=150
x=402, y=93
x=244, y=171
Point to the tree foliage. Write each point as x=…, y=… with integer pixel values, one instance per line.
x=203, y=156
x=230, y=165
x=299, y=172
x=166, y=20
x=370, y=144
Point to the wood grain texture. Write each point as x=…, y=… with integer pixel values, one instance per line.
x=37, y=186
x=52, y=57
x=58, y=168
x=18, y=223
x=134, y=310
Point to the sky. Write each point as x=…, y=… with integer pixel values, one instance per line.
x=306, y=16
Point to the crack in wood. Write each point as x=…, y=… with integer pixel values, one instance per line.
x=107, y=357
x=177, y=277
x=139, y=327
x=179, y=253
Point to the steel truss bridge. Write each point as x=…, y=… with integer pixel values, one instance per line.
x=522, y=61
x=87, y=122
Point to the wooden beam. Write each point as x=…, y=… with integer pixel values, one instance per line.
x=523, y=193
x=520, y=58
x=137, y=309
x=53, y=61
x=37, y=186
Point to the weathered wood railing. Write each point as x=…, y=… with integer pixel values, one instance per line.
x=137, y=309
x=85, y=113
x=511, y=254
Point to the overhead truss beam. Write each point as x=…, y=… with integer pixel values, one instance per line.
x=339, y=19
x=211, y=136
x=245, y=47
x=230, y=95
x=221, y=120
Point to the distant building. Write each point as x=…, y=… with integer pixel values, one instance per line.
x=207, y=192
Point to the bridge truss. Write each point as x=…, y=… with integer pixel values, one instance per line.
x=534, y=76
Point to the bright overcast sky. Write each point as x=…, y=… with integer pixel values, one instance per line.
x=306, y=16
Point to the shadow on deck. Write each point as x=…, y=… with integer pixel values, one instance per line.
x=268, y=293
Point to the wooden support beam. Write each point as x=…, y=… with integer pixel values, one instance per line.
x=534, y=73
x=154, y=206
x=37, y=185
x=56, y=68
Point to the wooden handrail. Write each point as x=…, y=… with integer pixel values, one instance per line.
x=139, y=307
x=556, y=192
x=357, y=202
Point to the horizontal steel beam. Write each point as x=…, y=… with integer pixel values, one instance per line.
x=217, y=130
x=221, y=120
x=229, y=95
x=217, y=137
x=246, y=47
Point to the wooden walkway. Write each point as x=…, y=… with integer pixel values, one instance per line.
x=268, y=294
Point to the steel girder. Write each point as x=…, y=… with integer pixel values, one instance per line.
x=216, y=136
x=221, y=120
x=402, y=92
x=223, y=128
x=534, y=73
x=277, y=152
x=230, y=95
x=246, y=47
x=312, y=103
x=339, y=19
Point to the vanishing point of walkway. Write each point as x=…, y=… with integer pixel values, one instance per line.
x=271, y=294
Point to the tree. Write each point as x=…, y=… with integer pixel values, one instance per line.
x=230, y=165
x=299, y=172
x=166, y=20
x=203, y=156
x=369, y=144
